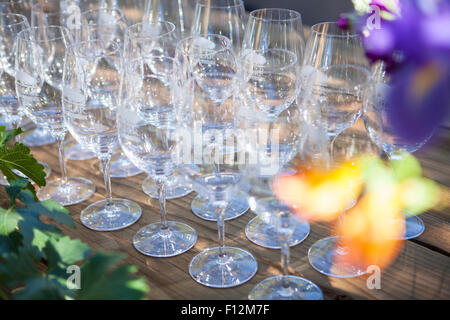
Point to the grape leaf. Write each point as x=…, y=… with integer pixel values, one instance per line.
x=7, y=136
x=43, y=288
x=65, y=251
x=18, y=157
x=102, y=278
x=17, y=267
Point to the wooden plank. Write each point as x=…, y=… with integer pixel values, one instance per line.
x=418, y=272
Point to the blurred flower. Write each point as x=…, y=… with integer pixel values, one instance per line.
x=383, y=193
x=319, y=194
x=413, y=41
x=369, y=229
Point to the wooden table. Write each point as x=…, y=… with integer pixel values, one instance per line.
x=421, y=271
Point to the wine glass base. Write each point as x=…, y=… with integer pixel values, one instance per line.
x=153, y=241
x=203, y=209
x=322, y=256
x=414, y=227
x=236, y=267
x=176, y=187
x=100, y=216
x=122, y=168
x=39, y=137
x=266, y=236
x=286, y=288
x=73, y=191
x=47, y=170
x=74, y=151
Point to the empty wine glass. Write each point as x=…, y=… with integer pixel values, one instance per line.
x=258, y=186
x=178, y=12
x=273, y=28
x=205, y=121
x=327, y=255
x=156, y=37
x=39, y=63
x=283, y=136
x=272, y=52
x=91, y=96
x=208, y=85
x=108, y=24
x=223, y=17
x=147, y=127
x=46, y=13
x=381, y=131
x=10, y=25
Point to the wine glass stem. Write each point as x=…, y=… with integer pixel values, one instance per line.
x=106, y=164
x=285, y=255
x=220, y=209
x=341, y=249
x=62, y=161
x=162, y=203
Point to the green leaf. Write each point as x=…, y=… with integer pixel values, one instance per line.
x=49, y=208
x=18, y=157
x=7, y=136
x=65, y=251
x=43, y=288
x=405, y=166
x=11, y=176
x=9, y=221
x=14, y=189
x=102, y=278
x=16, y=268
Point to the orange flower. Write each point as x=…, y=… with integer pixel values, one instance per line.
x=370, y=228
x=320, y=195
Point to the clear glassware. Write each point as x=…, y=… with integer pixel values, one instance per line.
x=156, y=37
x=224, y=17
x=10, y=25
x=258, y=186
x=46, y=13
x=322, y=255
x=179, y=12
x=381, y=131
x=12, y=6
x=273, y=28
x=201, y=205
x=283, y=135
x=91, y=96
x=147, y=128
x=272, y=52
x=39, y=137
x=109, y=23
x=205, y=121
x=39, y=66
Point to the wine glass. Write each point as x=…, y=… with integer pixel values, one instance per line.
x=39, y=67
x=150, y=38
x=46, y=13
x=283, y=136
x=147, y=128
x=277, y=214
x=201, y=206
x=273, y=28
x=381, y=131
x=10, y=25
x=205, y=121
x=91, y=96
x=272, y=52
x=179, y=12
x=224, y=17
x=108, y=24
x=327, y=255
